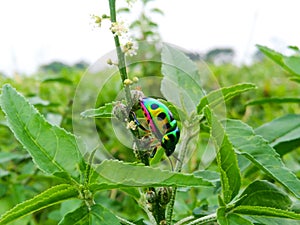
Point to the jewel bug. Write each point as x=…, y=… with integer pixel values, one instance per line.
x=161, y=123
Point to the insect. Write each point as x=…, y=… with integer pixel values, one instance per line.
x=161, y=123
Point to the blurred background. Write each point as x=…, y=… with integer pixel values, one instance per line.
x=35, y=32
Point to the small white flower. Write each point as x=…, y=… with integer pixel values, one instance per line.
x=130, y=48
x=131, y=125
x=118, y=28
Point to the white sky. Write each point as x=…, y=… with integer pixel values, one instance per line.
x=34, y=32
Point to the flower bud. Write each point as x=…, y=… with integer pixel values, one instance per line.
x=164, y=195
x=135, y=79
x=120, y=111
x=150, y=196
x=128, y=82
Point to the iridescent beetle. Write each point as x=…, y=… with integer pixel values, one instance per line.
x=161, y=123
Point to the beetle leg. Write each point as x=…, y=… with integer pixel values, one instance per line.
x=153, y=152
x=138, y=123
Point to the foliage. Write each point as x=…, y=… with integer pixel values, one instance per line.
x=50, y=176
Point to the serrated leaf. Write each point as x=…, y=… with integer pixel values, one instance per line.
x=257, y=150
x=212, y=176
x=265, y=211
x=120, y=174
x=282, y=133
x=101, y=112
x=263, y=193
x=226, y=158
x=48, y=198
x=181, y=83
x=53, y=149
x=273, y=100
x=222, y=95
x=97, y=215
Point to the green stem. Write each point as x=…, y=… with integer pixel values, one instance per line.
x=120, y=53
x=204, y=219
x=186, y=138
x=124, y=221
x=124, y=76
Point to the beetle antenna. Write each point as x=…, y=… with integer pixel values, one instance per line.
x=177, y=158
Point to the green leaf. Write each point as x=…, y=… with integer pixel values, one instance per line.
x=275, y=56
x=97, y=215
x=273, y=100
x=212, y=176
x=48, y=198
x=157, y=10
x=282, y=133
x=263, y=193
x=222, y=95
x=293, y=63
x=265, y=211
x=235, y=219
x=101, y=112
x=273, y=221
x=226, y=158
x=257, y=150
x=53, y=149
x=181, y=83
x=289, y=63
x=221, y=216
x=115, y=174
x=8, y=156
x=61, y=80
x=123, y=10
x=295, y=79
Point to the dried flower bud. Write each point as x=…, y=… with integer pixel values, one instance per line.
x=120, y=111
x=164, y=195
x=150, y=196
x=136, y=95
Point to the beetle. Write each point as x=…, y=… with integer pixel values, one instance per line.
x=161, y=123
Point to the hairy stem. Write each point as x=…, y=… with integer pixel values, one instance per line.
x=204, y=219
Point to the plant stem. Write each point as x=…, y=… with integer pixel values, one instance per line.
x=120, y=54
x=185, y=220
x=204, y=219
x=186, y=138
x=124, y=221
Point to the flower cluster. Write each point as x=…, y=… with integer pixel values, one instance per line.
x=130, y=48
x=118, y=28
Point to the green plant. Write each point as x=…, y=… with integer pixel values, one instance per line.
x=226, y=192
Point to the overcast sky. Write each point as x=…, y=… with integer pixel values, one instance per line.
x=34, y=32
